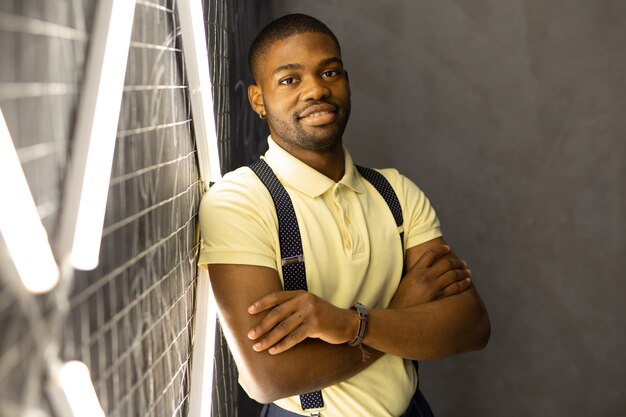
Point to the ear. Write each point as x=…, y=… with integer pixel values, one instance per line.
x=255, y=97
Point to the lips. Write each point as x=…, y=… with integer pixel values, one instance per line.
x=317, y=110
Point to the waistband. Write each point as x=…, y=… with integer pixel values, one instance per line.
x=417, y=408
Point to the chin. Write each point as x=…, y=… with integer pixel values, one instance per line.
x=321, y=143
x=319, y=138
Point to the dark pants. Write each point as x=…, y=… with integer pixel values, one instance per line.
x=417, y=408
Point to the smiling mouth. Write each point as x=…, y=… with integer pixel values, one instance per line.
x=317, y=110
x=319, y=117
x=316, y=114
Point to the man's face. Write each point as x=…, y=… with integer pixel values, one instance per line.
x=305, y=92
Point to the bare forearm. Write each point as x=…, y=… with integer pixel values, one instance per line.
x=309, y=366
x=432, y=330
x=428, y=331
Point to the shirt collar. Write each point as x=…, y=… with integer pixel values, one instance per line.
x=306, y=179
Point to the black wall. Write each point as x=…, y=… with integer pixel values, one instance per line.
x=131, y=319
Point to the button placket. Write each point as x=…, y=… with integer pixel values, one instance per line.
x=342, y=214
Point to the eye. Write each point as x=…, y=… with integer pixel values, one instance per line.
x=287, y=81
x=331, y=73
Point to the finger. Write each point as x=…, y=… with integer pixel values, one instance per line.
x=292, y=339
x=274, y=318
x=443, y=265
x=271, y=300
x=456, y=287
x=453, y=276
x=431, y=255
x=279, y=332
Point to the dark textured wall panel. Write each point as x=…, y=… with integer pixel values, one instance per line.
x=130, y=320
x=137, y=307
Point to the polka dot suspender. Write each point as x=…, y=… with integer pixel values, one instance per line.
x=292, y=256
x=291, y=252
x=386, y=191
x=294, y=274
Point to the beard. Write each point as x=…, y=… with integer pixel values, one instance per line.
x=319, y=138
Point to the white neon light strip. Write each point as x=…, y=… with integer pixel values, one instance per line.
x=198, y=74
x=71, y=391
x=94, y=141
x=201, y=392
x=20, y=225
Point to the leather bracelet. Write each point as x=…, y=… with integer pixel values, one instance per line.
x=363, y=321
x=362, y=331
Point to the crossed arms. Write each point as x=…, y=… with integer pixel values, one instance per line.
x=291, y=342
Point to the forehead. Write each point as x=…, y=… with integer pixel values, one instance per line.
x=303, y=49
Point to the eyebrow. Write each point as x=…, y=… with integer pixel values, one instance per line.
x=287, y=67
x=328, y=61
x=322, y=63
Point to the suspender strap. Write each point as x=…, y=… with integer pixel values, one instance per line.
x=386, y=191
x=384, y=188
x=291, y=254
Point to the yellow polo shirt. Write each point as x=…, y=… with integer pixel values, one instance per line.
x=351, y=249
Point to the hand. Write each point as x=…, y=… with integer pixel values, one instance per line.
x=297, y=315
x=432, y=277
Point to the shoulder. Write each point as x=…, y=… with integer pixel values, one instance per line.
x=238, y=192
x=420, y=219
x=391, y=174
x=241, y=178
x=404, y=187
x=239, y=185
x=238, y=222
x=414, y=202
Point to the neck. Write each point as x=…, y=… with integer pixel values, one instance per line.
x=330, y=162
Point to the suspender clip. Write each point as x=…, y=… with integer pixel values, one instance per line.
x=292, y=260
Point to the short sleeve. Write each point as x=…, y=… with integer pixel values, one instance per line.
x=420, y=219
x=235, y=223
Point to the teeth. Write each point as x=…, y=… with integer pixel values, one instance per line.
x=317, y=114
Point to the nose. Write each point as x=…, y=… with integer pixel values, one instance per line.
x=315, y=89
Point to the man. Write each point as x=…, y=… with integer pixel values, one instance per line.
x=288, y=343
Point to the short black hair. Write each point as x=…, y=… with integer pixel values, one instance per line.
x=283, y=28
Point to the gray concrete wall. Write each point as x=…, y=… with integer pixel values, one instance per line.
x=511, y=115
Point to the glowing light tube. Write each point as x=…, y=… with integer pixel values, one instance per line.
x=71, y=391
x=20, y=224
x=197, y=67
x=198, y=73
x=201, y=393
x=89, y=173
